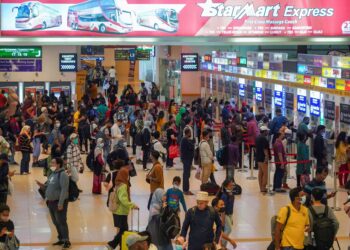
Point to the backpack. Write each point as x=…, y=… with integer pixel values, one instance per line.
x=323, y=228
x=211, y=212
x=273, y=228
x=73, y=191
x=170, y=223
x=197, y=157
x=113, y=200
x=220, y=156
x=90, y=160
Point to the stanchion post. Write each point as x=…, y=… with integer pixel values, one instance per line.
x=251, y=160
x=242, y=160
x=269, y=190
x=313, y=169
x=335, y=208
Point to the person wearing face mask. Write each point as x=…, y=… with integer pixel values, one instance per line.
x=318, y=210
x=174, y=196
x=219, y=206
x=200, y=220
x=74, y=161
x=226, y=194
x=303, y=127
x=56, y=194
x=320, y=149
x=55, y=133
x=99, y=165
x=294, y=221
x=25, y=148
x=7, y=227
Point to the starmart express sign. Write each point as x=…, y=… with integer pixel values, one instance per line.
x=175, y=18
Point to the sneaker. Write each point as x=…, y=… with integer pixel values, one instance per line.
x=58, y=243
x=66, y=245
x=14, y=163
x=139, y=162
x=146, y=169
x=108, y=247
x=285, y=186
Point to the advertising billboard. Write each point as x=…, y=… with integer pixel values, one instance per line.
x=241, y=18
x=301, y=100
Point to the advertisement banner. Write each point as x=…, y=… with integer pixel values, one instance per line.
x=329, y=110
x=345, y=113
x=25, y=65
x=156, y=18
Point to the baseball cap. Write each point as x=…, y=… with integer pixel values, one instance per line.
x=202, y=196
x=134, y=238
x=264, y=128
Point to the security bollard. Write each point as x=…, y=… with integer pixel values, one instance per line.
x=242, y=161
x=335, y=208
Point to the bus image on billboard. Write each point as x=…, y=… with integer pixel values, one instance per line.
x=33, y=15
x=104, y=16
x=159, y=19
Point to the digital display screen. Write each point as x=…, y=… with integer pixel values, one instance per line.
x=268, y=96
x=189, y=62
x=143, y=54
x=20, y=52
x=122, y=55
x=345, y=113
x=278, y=98
x=68, y=62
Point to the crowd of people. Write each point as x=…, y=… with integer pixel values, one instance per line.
x=103, y=127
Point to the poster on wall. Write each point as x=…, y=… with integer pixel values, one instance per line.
x=174, y=18
x=315, y=103
x=289, y=101
x=329, y=110
x=268, y=96
x=345, y=113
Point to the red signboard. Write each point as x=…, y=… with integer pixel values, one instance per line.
x=242, y=18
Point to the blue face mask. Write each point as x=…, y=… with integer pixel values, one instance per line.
x=75, y=141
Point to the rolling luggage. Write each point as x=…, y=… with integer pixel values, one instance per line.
x=131, y=231
x=210, y=187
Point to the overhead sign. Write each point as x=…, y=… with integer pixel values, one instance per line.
x=278, y=95
x=188, y=18
x=20, y=52
x=68, y=62
x=143, y=54
x=301, y=100
x=189, y=62
x=122, y=55
x=258, y=91
x=315, y=103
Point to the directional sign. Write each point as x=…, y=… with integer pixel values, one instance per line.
x=68, y=62
x=20, y=52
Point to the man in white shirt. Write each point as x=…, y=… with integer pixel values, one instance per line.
x=157, y=145
x=115, y=132
x=111, y=75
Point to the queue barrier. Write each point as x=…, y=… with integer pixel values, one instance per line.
x=269, y=189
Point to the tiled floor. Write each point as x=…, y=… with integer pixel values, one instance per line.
x=91, y=225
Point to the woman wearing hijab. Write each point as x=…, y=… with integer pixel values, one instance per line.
x=98, y=167
x=25, y=148
x=155, y=176
x=124, y=205
x=154, y=228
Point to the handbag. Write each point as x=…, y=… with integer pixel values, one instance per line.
x=132, y=170
x=198, y=173
x=173, y=151
x=10, y=243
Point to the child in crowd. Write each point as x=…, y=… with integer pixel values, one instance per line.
x=174, y=196
x=7, y=228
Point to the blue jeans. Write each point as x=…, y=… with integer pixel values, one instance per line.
x=25, y=162
x=186, y=175
x=59, y=219
x=277, y=179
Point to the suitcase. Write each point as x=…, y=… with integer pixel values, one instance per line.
x=131, y=231
x=210, y=187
